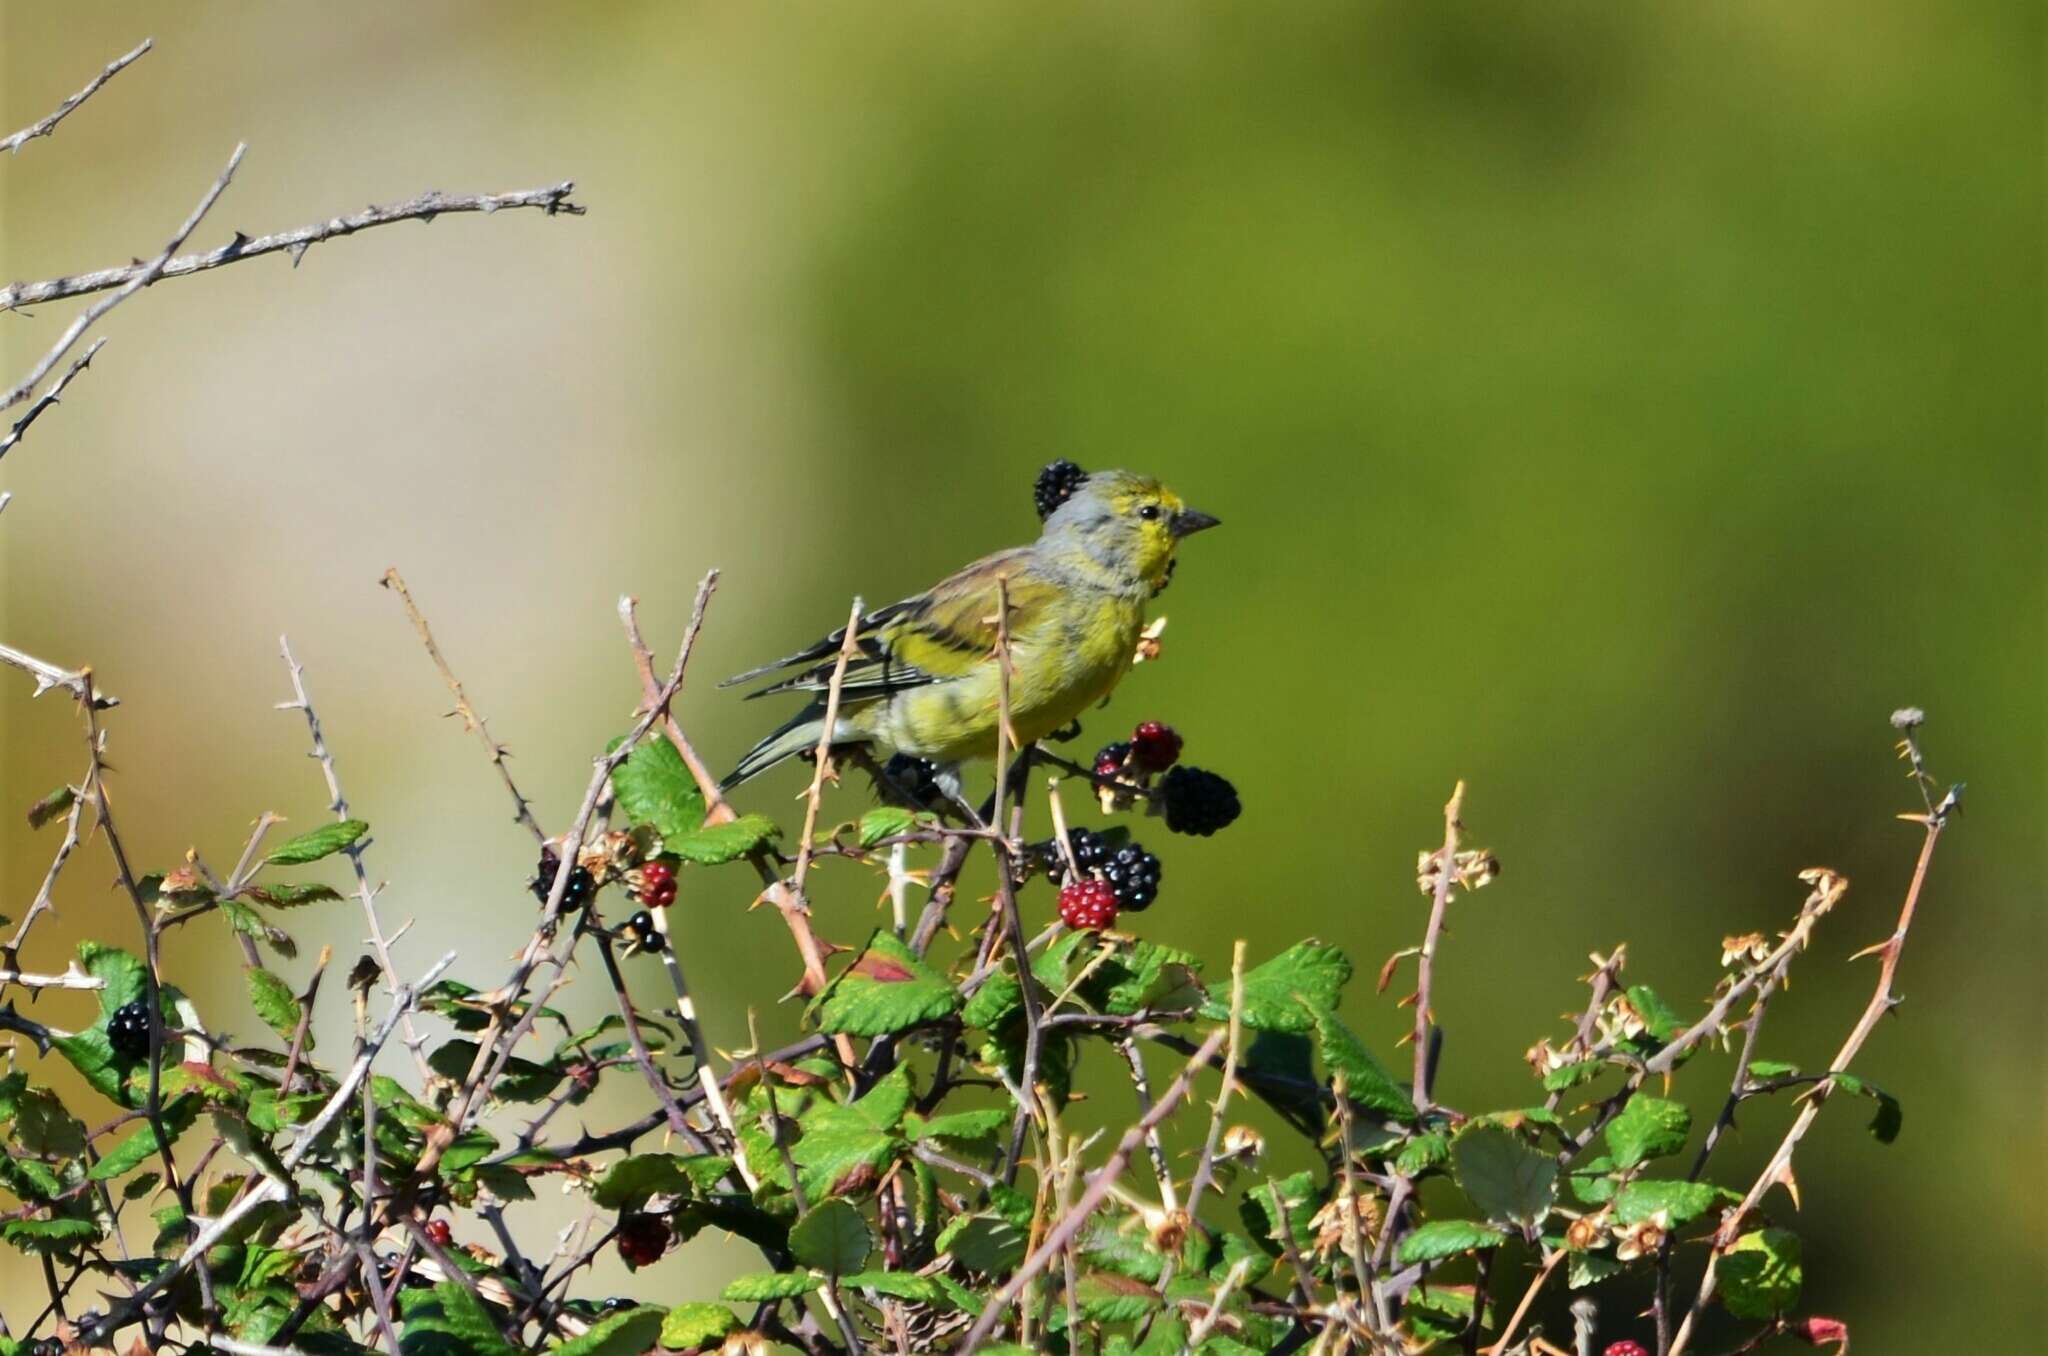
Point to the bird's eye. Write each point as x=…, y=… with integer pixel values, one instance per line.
x=1149, y=511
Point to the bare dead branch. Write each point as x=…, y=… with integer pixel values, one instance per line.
x=553, y=200
x=13, y=144
x=49, y=397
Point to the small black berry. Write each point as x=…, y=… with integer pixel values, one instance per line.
x=1134, y=874
x=1109, y=762
x=642, y=934
x=1056, y=484
x=1198, y=801
x=575, y=894
x=128, y=1030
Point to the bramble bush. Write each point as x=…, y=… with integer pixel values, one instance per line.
x=906, y=1169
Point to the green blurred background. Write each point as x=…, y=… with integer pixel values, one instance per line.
x=1623, y=408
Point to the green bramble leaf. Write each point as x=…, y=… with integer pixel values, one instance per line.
x=832, y=1238
x=1571, y=1075
x=43, y=1127
x=654, y=787
x=630, y=1182
x=1297, y=1194
x=288, y=895
x=521, y=1080
x=1440, y=1313
x=696, y=1324
x=1366, y=1080
x=1106, y=1297
x=446, y=1321
x=903, y=1285
x=324, y=841
x=984, y=1243
x=1590, y=1268
x=1648, y=1127
x=762, y=1287
x=885, y=821
x=1443, y=1238
x=140, y=1145
x=49, y=807
x=1508, y=1180
x=126, y=978
x=844, y=1146
x=275, y=1003
x=49, y=1236
x=961, y=1125
x=1276, y=994
x=1890, y=1117
x=887, y=989
x=1771, y=1068
x=716, y=844
x=1680, y=1202
x=1761, y=1274
x=1659, y=1018
x=626, y=1333
x=1422, y=1153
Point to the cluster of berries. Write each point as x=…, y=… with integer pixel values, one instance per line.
x=582, y=885
x=1194, y=800
x=1111, y=877
x=642, y=936
x=1625, y=1349
x=128, y=1030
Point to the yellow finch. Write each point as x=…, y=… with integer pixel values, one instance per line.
x=925, y=681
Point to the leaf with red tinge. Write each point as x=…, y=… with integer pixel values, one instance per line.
x=1818, y=1331
x=887, y=989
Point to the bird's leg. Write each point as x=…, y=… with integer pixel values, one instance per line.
x=1018, y=781
x=1067, y=733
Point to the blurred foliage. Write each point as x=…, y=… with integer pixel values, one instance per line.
x=1620, y=408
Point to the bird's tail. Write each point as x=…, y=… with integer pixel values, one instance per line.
x=799, y=734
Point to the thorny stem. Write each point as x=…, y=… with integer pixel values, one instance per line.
x=1446, y=876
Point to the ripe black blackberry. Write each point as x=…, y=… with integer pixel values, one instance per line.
x=1056, y=484
x=1110, y=759
x=1134, y=874
x=128, y=1030
x=1198, y=801
x=1091, y=850
x=575, y=894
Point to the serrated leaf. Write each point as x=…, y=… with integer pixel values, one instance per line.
x=1147, y=977
x=287, y=895
x=761, y=1287
x=1590, y=1268
x=1771, y=1068
x=1442, y=1238
x=447, y=1321
x=1106, y=1297
x=521, y=1080
x=125, y=978
x=43, y=1127
x=1761, y=1274
x=628, y=1183
x=964, y=1125
x=887, y=989
x=1423, y=1152
x=696, y=1324
x=140, y=1145
x=1648, y=1127
x=831, y=1237
x=1305, y=971
x=985, y=1243
x=903, y=1285
x=627, y=1333
x=1570, y=1075
x=324, y=841
x=1298, y=1193
x=49, y=1235
x=1366, y=1080
x=275, y=1003
x=1680, y=1202
x=1508, y=1180
x=1659, y=1018
x=654, y=786
x=719, y=843
x=885, y=821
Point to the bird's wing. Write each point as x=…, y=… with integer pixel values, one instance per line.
x=939, y=634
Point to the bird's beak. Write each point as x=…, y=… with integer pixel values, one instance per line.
x=1187, y=522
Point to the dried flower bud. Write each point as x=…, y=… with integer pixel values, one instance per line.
x=1543, y=1059
x=1828, y=885
x=1619, y=1020
x=1332, y=1232
x=1750, y=946
x=745, y=1342
x=1470, y=870
x=1168, y=1229
x=1584, y=1234
x=1643, y=1239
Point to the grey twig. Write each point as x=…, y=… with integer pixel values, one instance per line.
x=13, y=144
x=134, y=279
x=48, y=675
x=49, y=397
x=552, y=200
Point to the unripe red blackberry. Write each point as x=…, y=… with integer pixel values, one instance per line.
x=642, y=1239
x=1088, y=904
x=1198, y=801
x=128, y=1030
x=1109, y=762
x=1155, y=747
x=1626, y=1349
x=440, y=1233
x=1056, y=484
x=1133, y=874
x=657, y=885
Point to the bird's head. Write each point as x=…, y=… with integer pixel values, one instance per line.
x=1127, y=524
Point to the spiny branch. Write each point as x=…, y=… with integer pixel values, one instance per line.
x=13, y=144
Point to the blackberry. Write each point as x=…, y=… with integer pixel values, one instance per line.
x=1056, y=485
x=128, y=1030
x=1134, y=874
x=1155, y=747
x=440, y=1233
x=1110, y=760
x=1088, y=905
x=642, y=935
x=1198, y=801
x=657, y=885
x=575, y=894
x=1091, y=850
x=642, y=1239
